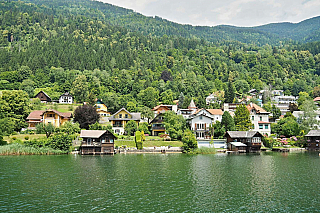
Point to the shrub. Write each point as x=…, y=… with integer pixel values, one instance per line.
x=138, y=140
x=26, y=137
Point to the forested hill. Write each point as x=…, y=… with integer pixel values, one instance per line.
x=267, y=34
x=55, y=46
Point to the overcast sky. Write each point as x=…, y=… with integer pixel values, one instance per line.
x=232, y=12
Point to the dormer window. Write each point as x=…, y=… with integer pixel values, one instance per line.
x=120, y=116
x=126, y=115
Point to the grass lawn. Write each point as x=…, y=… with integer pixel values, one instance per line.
x=21, y=137
x=60, y=107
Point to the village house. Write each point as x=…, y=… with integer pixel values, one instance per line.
x=283, y=102
x=96, y=142
x=44, y=98
x=211, y=99
x=163, y=108
x=120, y=119
x=250, y=139
x=157, y=125
x=313, y=140
x=48, y=116
x=259, y=118
x=66, y=98
x=102, y=111
x=201, y=120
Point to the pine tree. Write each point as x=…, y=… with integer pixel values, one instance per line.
x=181, y=99
x=242, y=118
x=227, y=122
x=230, y=93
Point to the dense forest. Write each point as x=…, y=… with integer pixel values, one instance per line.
x=98, y=50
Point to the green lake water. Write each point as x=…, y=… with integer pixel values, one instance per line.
x=266, y=182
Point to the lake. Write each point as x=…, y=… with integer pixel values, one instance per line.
x=266, y=182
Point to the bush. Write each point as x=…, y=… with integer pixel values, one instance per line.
x=204, y=150
x=138, y=140
x=26, y=137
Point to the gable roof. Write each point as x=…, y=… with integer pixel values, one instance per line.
x=135, y=116
x=159, y=106
x=215, y=111
x=313, y=133
x=62, y=114
x=43, y=93
x=94, y=133
x=35, y=115
x=66, y=94
x=243, y=134
x=257, y=108
x=192, y=105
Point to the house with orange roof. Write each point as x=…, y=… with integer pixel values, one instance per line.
x=259, y=118
x=52, y=116
x=201, y=120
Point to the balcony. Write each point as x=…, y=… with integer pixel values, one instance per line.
x=158, y=128
x=117, y=125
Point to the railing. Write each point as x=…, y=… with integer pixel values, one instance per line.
x=158, y=128
x=117, y=125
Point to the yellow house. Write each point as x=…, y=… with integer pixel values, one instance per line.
x=102, y=111
x=120, y=119
x=54, y=117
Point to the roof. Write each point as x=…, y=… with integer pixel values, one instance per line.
x=92, y=133
x=35, y=115
x=263, y=122
x=66, y=94
x=256, y=107
x=192, y=105
x=313, y=133
x=43, y=93
x=135, y=116
x=215, y=111
x=238, y=144
x=242, y=134
x=62, y=114
x=157, y=107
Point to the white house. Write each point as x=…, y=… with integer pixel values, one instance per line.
x=259, y=118
x=66, y=98
x=283, y=102
x=201, y=121
x=211, y=99
x=299, y=115
x=186, y=113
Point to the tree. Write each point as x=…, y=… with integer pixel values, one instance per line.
x=166, y=76
x=15, y=104
x=175, y=125
x=287, y=126
x=149, y=97
x=80, y=88
x=276, y=112
x=227, y=122
x=7, y=126
x=86, y=115
x=303, y=96
x=230, y=93
x=219, y=130
x=189, y=141
x=308, y=118
x=316, y=92
x=181, y=100
x=61, y=141
x=167, y=97
x=146, y=112
x=131, y=127
x=70, y=128
x=242, y=118
x=143, y=126
x=48, y=129
x=138, y=140
x=131, y=106
x=92, y=98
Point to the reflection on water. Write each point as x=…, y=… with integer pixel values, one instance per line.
x=266, y=182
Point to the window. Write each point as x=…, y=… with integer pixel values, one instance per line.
x=260, y=118
x=260, y=126
x=252, y=118
x=120, y=116
x=266, y=126
x=50, y=115
x=126, y=115
x=200, y=117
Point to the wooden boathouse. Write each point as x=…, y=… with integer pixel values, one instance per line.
x=97, y=142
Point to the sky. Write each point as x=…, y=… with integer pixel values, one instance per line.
x=245, y=13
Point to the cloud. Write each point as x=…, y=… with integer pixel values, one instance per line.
x=232, y=12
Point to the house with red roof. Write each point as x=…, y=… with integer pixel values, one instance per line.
x=52, y=116
x=259, y=118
